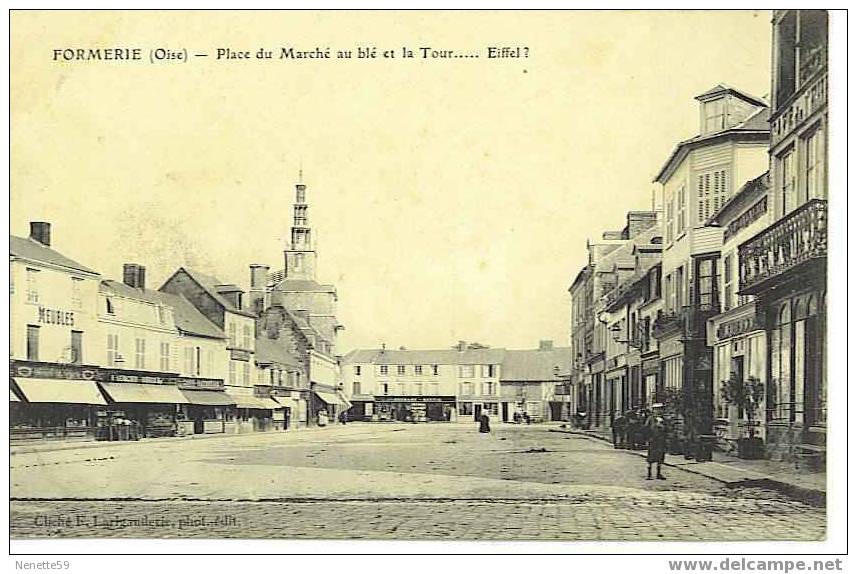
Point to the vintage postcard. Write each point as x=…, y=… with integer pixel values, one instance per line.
x=548, y=276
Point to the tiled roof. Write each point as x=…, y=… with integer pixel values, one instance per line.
x=31, y=249
x=187, y=318
x=274, y=351
x=723, y=88
x=535, y=365
x=210, y=283
x=755, y=123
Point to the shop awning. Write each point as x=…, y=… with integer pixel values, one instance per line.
x=60, y=391
x=329, y=397
x=208, y=398
x=13, y=397
x=251, y=402
x=271, y=403
x=144, y=393
x=345, y=402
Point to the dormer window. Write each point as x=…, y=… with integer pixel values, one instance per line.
x=715, y=115
x=111, y=309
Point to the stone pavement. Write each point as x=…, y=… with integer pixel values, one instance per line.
x=734, y=471
x=386, y=482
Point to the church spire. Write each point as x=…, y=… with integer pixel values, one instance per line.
x=300, y=253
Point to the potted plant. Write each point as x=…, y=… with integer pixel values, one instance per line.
x=747, y=395
x=674, y=400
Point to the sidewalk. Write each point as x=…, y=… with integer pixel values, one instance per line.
x=810, y=487
x=56, y=445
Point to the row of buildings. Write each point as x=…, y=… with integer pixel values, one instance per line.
x=90, y=355
x=727, y=280
x=458, y=384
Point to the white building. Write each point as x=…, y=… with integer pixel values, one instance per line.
x=53, y=340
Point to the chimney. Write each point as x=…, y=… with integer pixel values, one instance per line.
x=462, y=345
x=258, y=283
x=258, y=276
x=41, y=231
x=134, y=275
x=546, y=345
x=640, y=221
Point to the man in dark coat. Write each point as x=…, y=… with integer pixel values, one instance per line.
x=619, y=427
x=657, y=431
x=484, y=423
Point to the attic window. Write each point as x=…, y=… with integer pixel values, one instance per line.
x=657, y=240
x=715, y=115
x=110, y=308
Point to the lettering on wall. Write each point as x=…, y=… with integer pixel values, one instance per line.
x=56, y=317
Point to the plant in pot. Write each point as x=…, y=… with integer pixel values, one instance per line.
x=747, y=395
x=673, y=400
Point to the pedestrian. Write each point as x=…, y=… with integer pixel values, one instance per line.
x=657, y=431
x=343, y=417
x=619, y=428
x=484, y=423
x=633, y=429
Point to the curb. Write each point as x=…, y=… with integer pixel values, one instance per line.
x=87, y=444
x=810, y=496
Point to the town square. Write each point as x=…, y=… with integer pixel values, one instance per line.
x=567, y=289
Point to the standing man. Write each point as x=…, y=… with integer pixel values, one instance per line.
x=619, y=427
x=657, y=431
x=484, y=423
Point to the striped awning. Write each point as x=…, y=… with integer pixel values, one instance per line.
x=251, y=402
x=144, y=393
x=60, y=391
x=208, y=398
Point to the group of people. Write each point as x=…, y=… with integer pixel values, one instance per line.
x=637, y=428
x=629, y=428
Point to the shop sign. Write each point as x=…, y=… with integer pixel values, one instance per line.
x=56, y=317
x=406, y=399
x=239, y=354
x=197, y=383
x=737, y=327
x=28, y=369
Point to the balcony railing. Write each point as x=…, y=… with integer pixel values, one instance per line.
x=813, y=59
x=794, y=240
x=792, y=113
x=689, y=321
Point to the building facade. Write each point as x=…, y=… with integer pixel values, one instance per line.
x=533, y=384
x=698, y=178
x=445, y=385
x=53, y=341
x=784, y=266
x=737, y=334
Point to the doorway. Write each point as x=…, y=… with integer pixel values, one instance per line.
x=505, y=408
x=477, y=412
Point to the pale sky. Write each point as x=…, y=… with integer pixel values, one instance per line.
x=451, y=199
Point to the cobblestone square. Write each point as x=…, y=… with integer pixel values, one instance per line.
x=363, y=481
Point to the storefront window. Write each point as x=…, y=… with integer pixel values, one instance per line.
x=465, y=408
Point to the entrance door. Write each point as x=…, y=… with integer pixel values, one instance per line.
x=287, y=418
x=198, y=425
x=505, y=407
x=477, y=411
